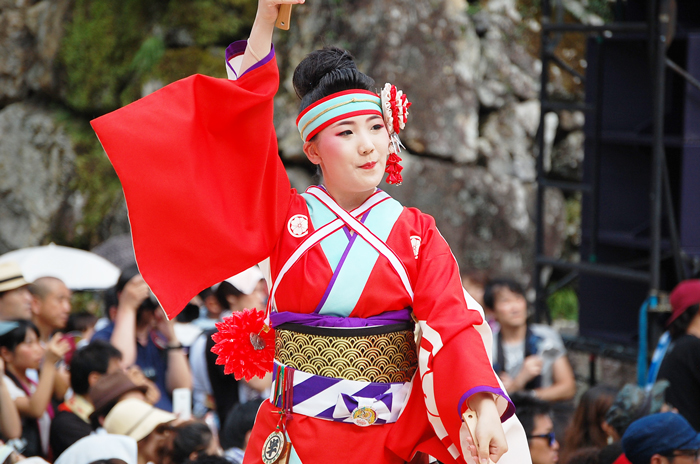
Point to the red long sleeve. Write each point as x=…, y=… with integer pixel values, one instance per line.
x=206, y=191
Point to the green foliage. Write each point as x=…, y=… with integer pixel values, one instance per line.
x=563, y=304
x=149, y=55
x=94, y=178
x=112, y=47
x=98, y=49
x=212, y=22
x=90, y=302
x=602, y=8
x=183, y=62
x=473, y=7
x=530, y=8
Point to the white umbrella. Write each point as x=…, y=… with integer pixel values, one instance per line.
x=78, y=269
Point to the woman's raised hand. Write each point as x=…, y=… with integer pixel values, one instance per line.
x=56, y=349
x=268, y=9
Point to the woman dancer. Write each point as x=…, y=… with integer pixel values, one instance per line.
x=351, y=268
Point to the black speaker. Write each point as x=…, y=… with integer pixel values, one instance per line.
x=609, y=306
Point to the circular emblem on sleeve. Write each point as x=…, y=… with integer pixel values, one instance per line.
x=273, y=447
x=415, y=244
x=298, y=225
x=364, y=416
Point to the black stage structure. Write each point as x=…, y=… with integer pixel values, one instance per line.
x=640, y=189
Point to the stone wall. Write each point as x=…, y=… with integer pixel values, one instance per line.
x=471, y=71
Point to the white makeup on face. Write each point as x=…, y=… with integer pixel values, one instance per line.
x=352, y=154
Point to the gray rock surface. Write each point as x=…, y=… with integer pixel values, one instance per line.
x=486, y=219
x=30, y=36
x=567, y=157
x=469, y=70
x=428, y=49
x=36, y=166
x=511, y=132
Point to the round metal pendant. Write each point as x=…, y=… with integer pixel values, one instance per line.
x=364, y=416
x=257, y=342
x=273, y=447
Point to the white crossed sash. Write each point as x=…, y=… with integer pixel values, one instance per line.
x=349, y=219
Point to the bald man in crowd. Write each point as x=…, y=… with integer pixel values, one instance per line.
x=15, y=298
x=51, y=306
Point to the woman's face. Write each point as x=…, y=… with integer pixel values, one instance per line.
x=28, y=354
x=154, y=448
x=510, y=308
x=352, y=153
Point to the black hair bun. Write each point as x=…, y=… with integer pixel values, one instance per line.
x=327, y=71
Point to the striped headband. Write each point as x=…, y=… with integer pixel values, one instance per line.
x=336, y=107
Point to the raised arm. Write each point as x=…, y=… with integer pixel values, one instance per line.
x=35, y=405
x=260, y=39
x=10, y=422
x=124, y=334
x=206, y=190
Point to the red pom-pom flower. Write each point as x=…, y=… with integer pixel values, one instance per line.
x=244, y=347
x=393, y=168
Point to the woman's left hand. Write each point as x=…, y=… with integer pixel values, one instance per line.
x=491, y=440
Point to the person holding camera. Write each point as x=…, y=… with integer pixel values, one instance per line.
x=145, y=337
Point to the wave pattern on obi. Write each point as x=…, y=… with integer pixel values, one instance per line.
x=384, y=358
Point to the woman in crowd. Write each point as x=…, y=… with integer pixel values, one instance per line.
x=189, y=441
x=587, y=425
x=151, y=428
x=10, y=422
x=20, y=351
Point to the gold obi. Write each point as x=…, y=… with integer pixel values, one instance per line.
x=385, y=354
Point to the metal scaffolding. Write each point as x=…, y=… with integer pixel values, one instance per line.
x=655, y=31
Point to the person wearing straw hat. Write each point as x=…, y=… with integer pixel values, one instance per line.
x=143, y=422
x=15, y=297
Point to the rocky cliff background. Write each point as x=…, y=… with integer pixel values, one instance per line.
x=471, y=71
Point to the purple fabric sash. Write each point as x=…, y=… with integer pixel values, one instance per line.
x=318, y=320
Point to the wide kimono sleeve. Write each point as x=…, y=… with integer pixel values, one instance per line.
x=453, y=361
x=206, y=191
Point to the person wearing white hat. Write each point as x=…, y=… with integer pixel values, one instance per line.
x=244, y=290
x=15, y=298
x=103, y=446
x=143, y=422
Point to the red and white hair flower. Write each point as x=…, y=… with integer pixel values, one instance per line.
x=395, y=106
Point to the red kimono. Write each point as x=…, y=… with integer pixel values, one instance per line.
x=208, y=197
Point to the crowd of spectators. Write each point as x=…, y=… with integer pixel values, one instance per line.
x=78, y=389
x=655, y=424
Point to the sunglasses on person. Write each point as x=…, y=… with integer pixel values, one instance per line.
x=690, y=453
x=549, y=436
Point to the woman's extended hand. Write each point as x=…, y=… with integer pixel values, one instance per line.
x=491, y=439
x=268, y=9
